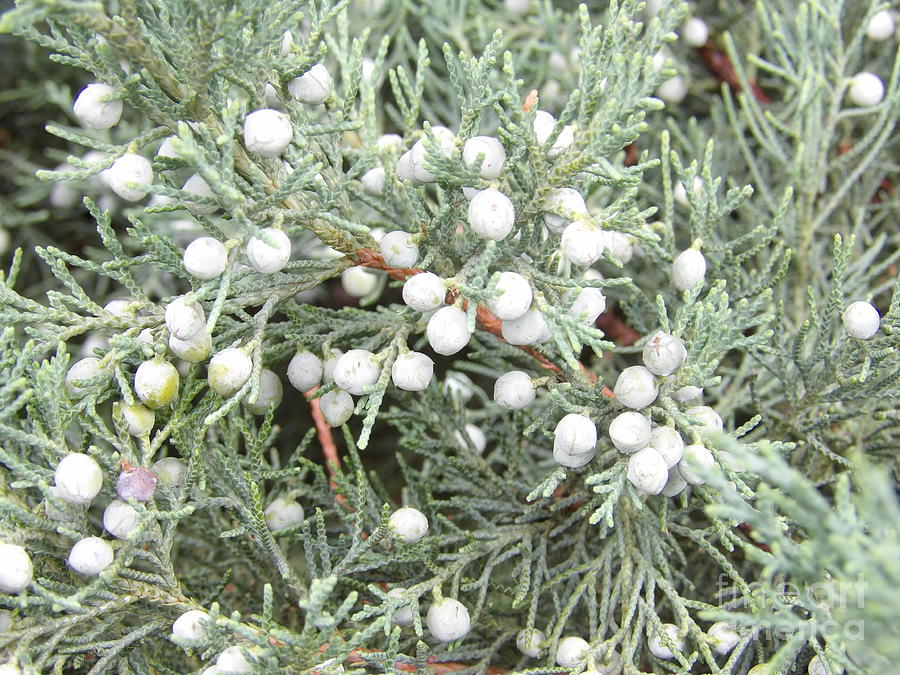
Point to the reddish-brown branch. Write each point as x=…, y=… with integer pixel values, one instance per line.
x=435, y=667
x=326, y=440
x=610, y=323
x=631, y=154
x=718, y=63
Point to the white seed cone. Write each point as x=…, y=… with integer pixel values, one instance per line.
x=408, y=524
x=424, y=292
x=491, y=214
x=447, y=331
x=636, y=387
x=356, y=370
x=630, y=431
x=305, y=371
x=514, y=390
x=647, y=471
x=448, y=620
x=513, y=296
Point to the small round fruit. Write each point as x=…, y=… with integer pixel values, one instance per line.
x=491, y=152
x=16, y=570
x=197, y=185
x=513, y=296
x=139, y=419
x=232, y=660
x=544, y=124
x=129, y=175
x=86, y=369
x=647, y=471
x=695, y=32
x=424, y=292
x=229, y=371
x=513, y=390
x=78, y=478
x=881, y=26
x=356, y=370
x=172, y=472
x=630, y=431
x=412, y=371
x=267, y=132
x=184, y=319
x=723, y=637
x=695, y=455
x=96, y=108
x=531, y=648
x=589, y=304
x=403, y=614
x=528, y=329
x=283, y=513
x=205, y=258
x=574, y=441
x=491, y=214
x=861, y=320
x=673, y=90
x=313, y=87
x=305, y=371
x=567, y=200
x=120, y=518
x=136, y=482
x=269, y=394
x=408, y=524
x=636, y=387
x=398, y=249
x=571, y=651
x=270, y=251
x=688, y=269
x=709, y=418
x=582, y=243
x=675, y=484
x=668, y=443
x=358, y=281
x=191, y=625
x=195, y=349
x=866, y=90
x=156, y=383
x=374, y=180
x=658, y=649
x=664, y=354
x=90, y=556
x=448, y=331
x=471, y=437
x=448, y=620
x=336, y=406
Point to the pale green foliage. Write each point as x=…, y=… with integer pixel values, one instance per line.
x=519, y=540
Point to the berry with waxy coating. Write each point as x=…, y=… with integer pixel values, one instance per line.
x=471, y=436
x=660, y=650
x=571, y=651
x=866, y=89
x=228, y=371
x=139, y=419
x=675, y=484
x=191, y=625
x=16, y=569
x=544, y=124
x=269, y=251
x=96, y=108
x=283, y=513
x=269, y=394
x=136, y=482
x=412, y=371
x=184, y=319
x=664, y=354
x=78, y=478
x=417, y=155
x=668, y=443
x=424, y=292
x=567, y=200
x=709, y=418
x=119, y=518
x=305, y=371
x=336, y=406
x=695, y=32
x=881, y=26
x=402, y=615
x=90, y=556
x=723, y=637
x=205, y=258
x=197, y=185
x=695, y=455
x=86, y=369
x=513, y=296
x=528, y=329
x=128, y=175
x=398, y=249
x=636, y=387
x=193, y=350
x=267, y=132
x=408, y=524
x=582, y=243
x=492, y=155
x=232, y=660
x=448, y=331
x=313, y=87
x=574, y=441
x=172, y=472
x=861, y=320
x=513, y=390
x=448, y=620
x=589, y=304
x=647, y=471
x=530, y=647
x=689, y=268
x=630, y=431
x=156, y=383
x=374, y=180
x=491, y=214
x=356, y=370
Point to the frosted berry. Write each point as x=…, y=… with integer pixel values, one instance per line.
x=672, y=90
x=680, y=192
x=156, y=383
x=574, y=441
x=419, y=152
x=866, y=90
x=817, y=667
x=582, y=243
x=172, y=472
x=205, y=258
x=618, y=244
x=664, y=354
x=356, y=370
x=492, y=152
x=689, y=268
x=167, y=148
x=269, y=394
x=630, y=431
x=78, y=478
x=531, y=648
x=119, y=518
x=404, y=167
x=695, y=32
x=448, y=331
x=328, y=365
x=267, y=132
x=571, y=651
x=636, y=387
x=695, y=455
x=709, y=418
x=136, y=482
x=86, y=369
x=283, y=513
x=314, y=86
x=197, y=185
x=723, y=637
x=232, y=660
x=304, y=371
x=269, y=251
x=528, y=329
x=190, y=625
x=588, y=305
x=517, y=7
x=408, y=524
x=513, y=390
x=491, y=214
x=373, y=181
x=566, y=200
x=16, y=570
x=90, y=556
x=668, y=443
x=403, y=614
x=398, y=249
x=96, y=108
x=861, y=320
x=193, y=350
x=424, y=292
x=881, y=26
x=647, y=471
x=389, y=143
x=544, y=124
x=675, y=484
x=184, y=319
x=412, y=371
x=129, y=175
x=228, y=371
x=513, y=296
x=687, y=393
x=336, y=406
x=448, y=620
x=458, y=386
x=658, y=649
x=471, y=437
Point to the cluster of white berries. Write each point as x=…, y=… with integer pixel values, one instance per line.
x=866, y=89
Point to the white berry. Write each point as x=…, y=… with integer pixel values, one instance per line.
x=336, y=406
x=458, y=386
x=128, y=175
x=120, y=518
x=172, y=472
x=193, y=350
x=531, y=648
x=90, y=556
x=675, y=484
x=647, y=471
x=687, y=393
x=582, y=243
x=664, y=354
x=270, y=251
x=881, y=25
x=232, y=659
x=866, y=89
x=566, y=200
x=709, y=418
x=283, y=513
x=197, y=185
x=412, y=371
x=689, y=268
x=373, y=181
x=618, y=244
x=528, y=329
x=588, y=305
x=304, y=371
x=403, y=614
x=491, y=214
x=695, y=455
x=571, y=651
x=668, y=443
x=205, y=258
x=139, y=419
x=544, y=124
x=183, y=319
x=314, y=86
x=513, y=390
x=93, y=111
x=79, y=478
x=398, y=249
x=817, y=667
x=636, y=387
x=228, y=371
x=471, y=437
x=513, y=296
x=328, y=365
x=86, y=369
x=356, y=370
x=723, y=637
x=574, y=441
x=695, y=32
x=424, y=292
x=418, y=153
x=658, y=649
x=448, y=331
x=672, y=90
x=269, y=394
x=267, y=132
x=493, y=155
x=630, y=431
x=16, y=570
x=156, y=383
x=448, y=620
x=861, y=320
x=190, y=625
x=358, y=281
x=408, y=524
x=517, y=7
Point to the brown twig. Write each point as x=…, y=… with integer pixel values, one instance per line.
x=610, y=323
x=718, y=63
x=326, y=440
